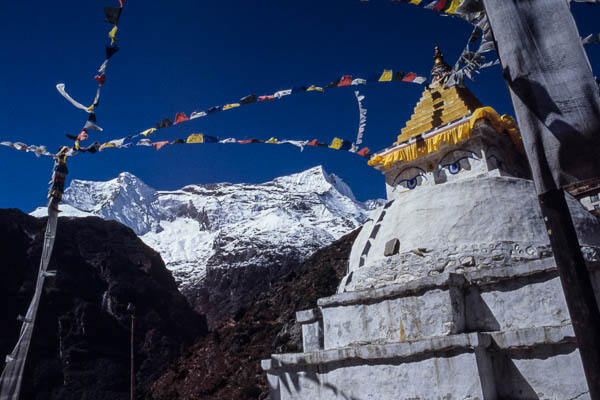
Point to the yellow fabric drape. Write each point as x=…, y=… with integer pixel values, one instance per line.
x=451, y=136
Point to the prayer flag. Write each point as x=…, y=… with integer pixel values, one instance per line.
x=83, y=135
x=230, y=106
x=160, y=145
x=333, y=84
x=213, y=109
x=340, y=144
x=248, y=141
x=398, y=76
x=179, y=118
x=112, y=14
x=195, y=138
x=358, y=81
x=345, y=81
x=92, y=117
x=210, y=139
x=164, y=123
x=313, y=87
x=272, y=140
x=178, y=141
x=228, y=140
x=106, y=145
x=386, y=76
x=121, y=2
x=251, y=98
x=111, y=50
x=112, y=34
x=313, y=142
x=144, y=142
x=363, y=152
x=409, y=77
x=100, y=79
x=148, y=131
x=197, y=114
x=267, y=97
x=282, y=93
x=90, y=125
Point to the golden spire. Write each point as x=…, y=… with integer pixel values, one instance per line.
x=440, y=69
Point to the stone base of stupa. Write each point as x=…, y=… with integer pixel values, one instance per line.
x=488, y=334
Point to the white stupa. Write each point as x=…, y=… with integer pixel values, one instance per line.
x=452, y=291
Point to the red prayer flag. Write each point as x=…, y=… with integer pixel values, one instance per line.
x=439, y=5
x=180, y=117
x=345, y=81
x=82, y=135
x=160, y=145
x=314, y=142
x=100, y=79
x=409, y=77
x=121, y=2
x=363, y=152
x=263, y=98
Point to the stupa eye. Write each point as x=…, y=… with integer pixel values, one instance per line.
x=409, y=178
x=412, y=182
x=458, y=162
x=454, y=168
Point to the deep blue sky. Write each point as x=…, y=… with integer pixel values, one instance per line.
x=185, y=55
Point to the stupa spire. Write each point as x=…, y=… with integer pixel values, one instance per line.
x=440, y=70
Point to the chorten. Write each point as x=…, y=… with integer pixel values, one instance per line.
x=451, y=290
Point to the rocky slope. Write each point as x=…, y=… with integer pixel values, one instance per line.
x=226, y=243
x=80, y=348
x=226, y=363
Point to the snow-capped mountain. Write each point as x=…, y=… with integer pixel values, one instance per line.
x=225, y=225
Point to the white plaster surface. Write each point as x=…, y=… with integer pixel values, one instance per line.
x=454, y=227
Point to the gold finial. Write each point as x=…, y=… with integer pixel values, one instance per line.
x=438, y=57
x=440, y=68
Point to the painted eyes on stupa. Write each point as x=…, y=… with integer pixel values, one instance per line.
x=457, y=166
x=410, y=178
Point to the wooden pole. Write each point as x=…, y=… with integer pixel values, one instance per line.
x=131, y=310
x=557, y=107
x=576, y=284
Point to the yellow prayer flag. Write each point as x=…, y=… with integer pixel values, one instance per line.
x=90, y=109
x=148, y=131
x=230, y=106
x=112, y=34
x=336, y=143
x=106, y=145
x=415, y=1
x=195, y=138
x=272, y=140
x=387, y=75
x=313, y=87
x=453, y=6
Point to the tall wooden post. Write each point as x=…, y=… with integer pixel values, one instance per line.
x=558, y=109
x=131, y=309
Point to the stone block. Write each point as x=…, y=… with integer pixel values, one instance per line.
x=312, y=329
x=424, y=308
x=538, y=363
x=428, y=369
x=392, y=247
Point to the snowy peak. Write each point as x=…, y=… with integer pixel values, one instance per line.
x=314, y=180
x=225, y=225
